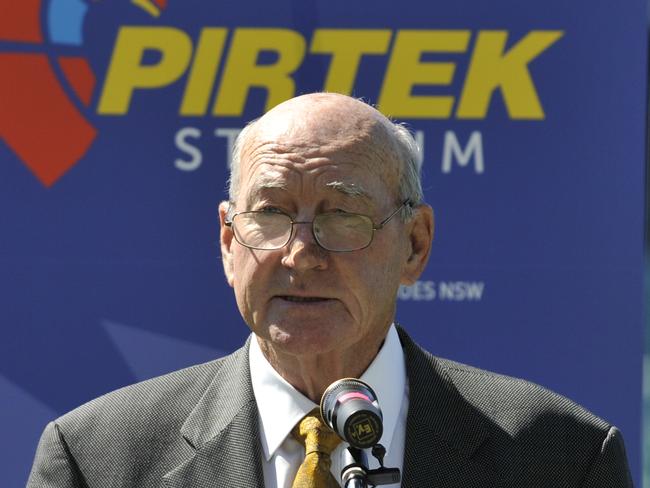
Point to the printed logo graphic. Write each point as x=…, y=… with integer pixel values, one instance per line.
x=67, y=64
x=39, y=120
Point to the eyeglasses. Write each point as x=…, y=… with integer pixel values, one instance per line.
x=334, y=231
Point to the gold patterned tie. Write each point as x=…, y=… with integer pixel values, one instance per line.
x=319, y=442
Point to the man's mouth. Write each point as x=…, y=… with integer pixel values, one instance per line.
x=292, y=298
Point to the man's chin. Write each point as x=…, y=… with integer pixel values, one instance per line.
x=314, y=337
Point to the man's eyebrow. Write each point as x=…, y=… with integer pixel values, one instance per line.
x=264, y=182
x=349, y=189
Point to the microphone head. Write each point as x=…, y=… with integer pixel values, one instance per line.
x=350, y=408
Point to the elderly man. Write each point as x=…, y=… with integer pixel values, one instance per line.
x=325, y=221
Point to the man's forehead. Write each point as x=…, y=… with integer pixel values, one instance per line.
x=306, y=131
x=277, y=180
x=355, y=182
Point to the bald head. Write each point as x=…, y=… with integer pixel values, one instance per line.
x=324, y=118
x=330, y=120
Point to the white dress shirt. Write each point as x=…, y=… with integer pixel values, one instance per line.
x=281, y=406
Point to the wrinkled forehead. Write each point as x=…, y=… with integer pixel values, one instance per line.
x=363, y=194
x=352, y=168
x=350, y=140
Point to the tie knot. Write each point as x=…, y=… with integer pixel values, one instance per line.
x=315, y=435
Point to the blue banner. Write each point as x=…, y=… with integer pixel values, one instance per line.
x=117, y=119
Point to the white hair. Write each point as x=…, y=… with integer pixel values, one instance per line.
x=410, y=181
x=235, y=161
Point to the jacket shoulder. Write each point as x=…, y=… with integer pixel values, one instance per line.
x=521, y=430
x=517, y=407
x=538, y=428
x=494, y=393
x=151, y=408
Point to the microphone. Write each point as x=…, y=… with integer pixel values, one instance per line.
x=350, y=408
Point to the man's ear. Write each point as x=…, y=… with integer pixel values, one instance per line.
x=420, y=229
x=226, y=239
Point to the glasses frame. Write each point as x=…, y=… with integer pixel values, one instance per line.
x=229, y=223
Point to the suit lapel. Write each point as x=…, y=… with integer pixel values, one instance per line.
x=223, y=431
x=443, y=431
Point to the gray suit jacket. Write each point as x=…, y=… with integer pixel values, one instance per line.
x=198, y=428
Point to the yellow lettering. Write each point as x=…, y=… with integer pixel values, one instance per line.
x=242, y=71
x=491, y=68
x=347, y=46
x=126, y=72
x=405, y=70
x=204, y=71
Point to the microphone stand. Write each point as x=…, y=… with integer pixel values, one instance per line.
x=356, y=474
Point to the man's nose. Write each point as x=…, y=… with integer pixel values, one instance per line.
x=303, y=252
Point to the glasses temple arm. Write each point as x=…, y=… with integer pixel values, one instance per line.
x=380, y=225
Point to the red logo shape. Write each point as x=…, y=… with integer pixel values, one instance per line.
x=37, y=120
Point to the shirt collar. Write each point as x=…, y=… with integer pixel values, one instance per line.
x=281, y=406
